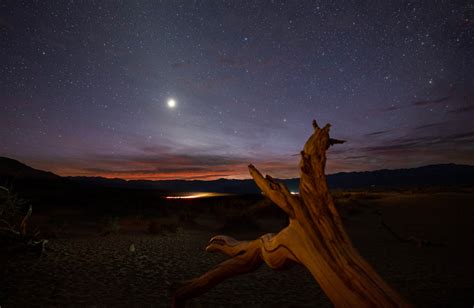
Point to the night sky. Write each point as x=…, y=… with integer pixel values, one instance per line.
x=85, y=85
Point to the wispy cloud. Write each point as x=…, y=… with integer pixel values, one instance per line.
x=391, y=108
x=405, y=143
x=176, y=166
x=431, y=125
x=462, y=109
x=377, y=133
x=431, y=102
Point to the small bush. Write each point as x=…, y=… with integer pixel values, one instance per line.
x=265, y=209
x=160, y=227
x=10, y=205
x=186, y=217
x=242, y=222
x=338, y=194
x=368, y=195
x=111, y=226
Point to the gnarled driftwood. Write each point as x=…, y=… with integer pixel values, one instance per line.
x=315, y=238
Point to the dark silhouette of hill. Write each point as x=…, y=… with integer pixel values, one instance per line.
x=14, y=172
x=431, y=175
x=220, y=185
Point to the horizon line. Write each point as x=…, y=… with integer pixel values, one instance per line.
x=207, y=178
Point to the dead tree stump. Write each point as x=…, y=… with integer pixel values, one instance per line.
x=314, y=238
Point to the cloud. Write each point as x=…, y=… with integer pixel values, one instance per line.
x=410, y=150
x=357, y=157
x=423, y=143
x=463, y=109
x=160, y=163
x=381, y=132
x=167, y=165
x=159, y=173
x=431, y=125
x=431, y=102
x=455, y=96
x=389, y=109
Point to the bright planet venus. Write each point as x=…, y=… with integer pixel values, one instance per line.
x=171, y=103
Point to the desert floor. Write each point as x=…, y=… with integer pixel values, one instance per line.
x=84, y=268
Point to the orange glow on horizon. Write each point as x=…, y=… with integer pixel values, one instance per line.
x=239, y=171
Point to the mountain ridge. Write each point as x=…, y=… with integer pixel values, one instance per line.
x=430, y=175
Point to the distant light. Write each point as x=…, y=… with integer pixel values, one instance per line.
x=197, y=195
x=187, y=197
x=171, y=103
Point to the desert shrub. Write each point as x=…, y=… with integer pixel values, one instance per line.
x=265, y=208
x=10, y=205
x=187, y=217
x=111, y=226
x=368, y=195
x=231, y=207
x=15, y=240
x=54, y=226
x=160, y=227
x=344, y=202
x=340, y=194
x=240, y=222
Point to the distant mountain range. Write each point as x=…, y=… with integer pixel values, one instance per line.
x=14, y=172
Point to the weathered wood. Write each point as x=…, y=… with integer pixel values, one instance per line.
x=315, y=238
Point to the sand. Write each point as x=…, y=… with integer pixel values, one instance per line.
x=92, y=270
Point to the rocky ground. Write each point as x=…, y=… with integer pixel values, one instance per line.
x=93, y=270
